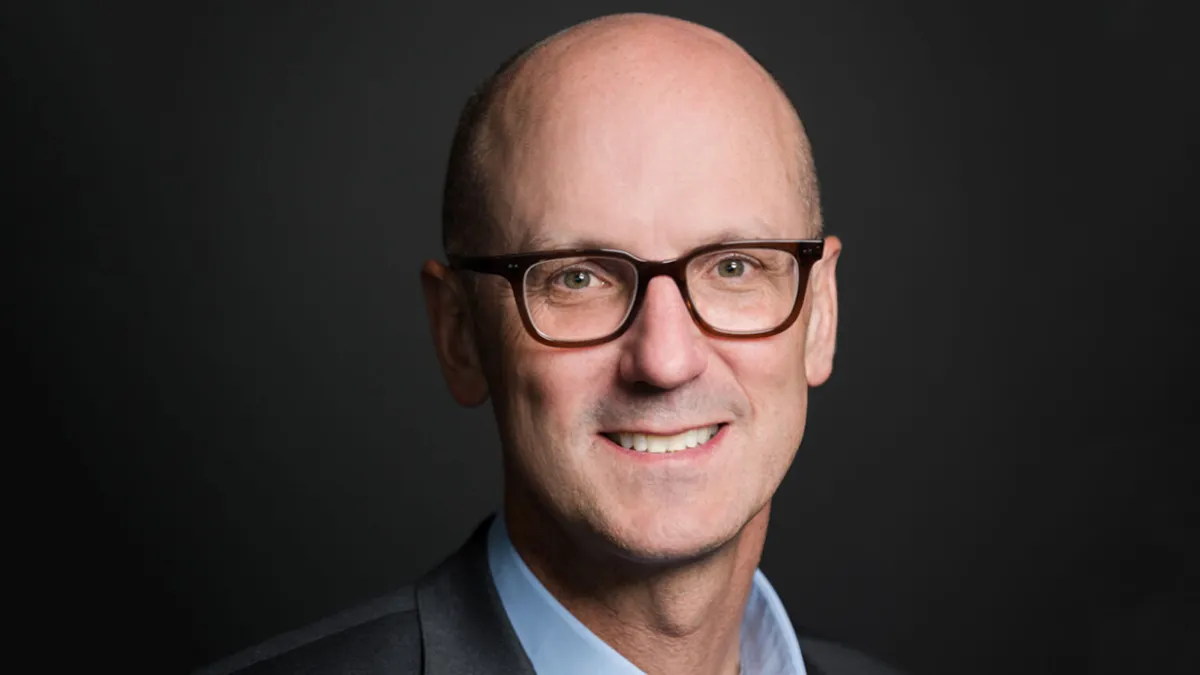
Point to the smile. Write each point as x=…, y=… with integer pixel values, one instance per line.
x=654, y=443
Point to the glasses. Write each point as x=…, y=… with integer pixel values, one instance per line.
x=585, y=297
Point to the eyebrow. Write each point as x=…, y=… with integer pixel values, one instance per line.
x=544, y=242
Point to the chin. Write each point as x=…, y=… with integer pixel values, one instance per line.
x=663, y=536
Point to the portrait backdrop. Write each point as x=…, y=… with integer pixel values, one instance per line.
x=225, y=336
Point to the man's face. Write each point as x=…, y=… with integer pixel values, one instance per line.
x=655, y=175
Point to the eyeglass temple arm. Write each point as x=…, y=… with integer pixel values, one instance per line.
x=500, y=266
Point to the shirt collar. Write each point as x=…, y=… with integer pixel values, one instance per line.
x=557, y=642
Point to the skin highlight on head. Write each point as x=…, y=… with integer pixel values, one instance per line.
x=654, y=136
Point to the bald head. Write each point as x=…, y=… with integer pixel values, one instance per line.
x=647, y=110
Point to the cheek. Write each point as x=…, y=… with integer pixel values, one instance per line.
x=546, y=420
x=774, y=364
x=544, y=391
x=771, y=373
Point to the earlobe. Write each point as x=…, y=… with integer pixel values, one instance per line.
x=821, y=338
x=451, y=327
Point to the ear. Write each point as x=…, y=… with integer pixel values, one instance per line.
x=451, y=324
x=821, y=338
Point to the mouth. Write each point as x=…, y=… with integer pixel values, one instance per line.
x=656, y=443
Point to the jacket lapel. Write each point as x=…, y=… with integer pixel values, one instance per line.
x=464, y=629
x=810, y=668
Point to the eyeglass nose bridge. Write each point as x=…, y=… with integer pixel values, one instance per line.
x=647, y=270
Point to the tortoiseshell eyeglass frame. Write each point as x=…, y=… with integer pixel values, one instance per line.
x=514, y=266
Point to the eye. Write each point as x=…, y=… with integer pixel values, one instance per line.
x=731, y=267
x=576, y=279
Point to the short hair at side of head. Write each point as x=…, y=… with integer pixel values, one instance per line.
x=466, y=214
x=809, y=184
x=467, y=222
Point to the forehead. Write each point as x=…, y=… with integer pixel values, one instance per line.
x=652, y=165
x=550, y=237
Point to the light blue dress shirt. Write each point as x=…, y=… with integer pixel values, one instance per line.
x=558, y=643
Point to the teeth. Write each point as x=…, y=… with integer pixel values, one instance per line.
x=650, y=443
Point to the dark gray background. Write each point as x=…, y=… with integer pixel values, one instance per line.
x=222, y=329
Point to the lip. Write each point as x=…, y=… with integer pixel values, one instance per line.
x=703, y=450
x=664, y=432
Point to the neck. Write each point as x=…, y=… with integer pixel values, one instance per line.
x=665, y=618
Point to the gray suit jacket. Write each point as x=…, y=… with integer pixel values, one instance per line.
x=450, y=622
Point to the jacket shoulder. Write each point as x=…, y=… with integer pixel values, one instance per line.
x=832, y=658
x=378, y=636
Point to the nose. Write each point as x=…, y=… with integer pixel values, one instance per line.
x=664, y=348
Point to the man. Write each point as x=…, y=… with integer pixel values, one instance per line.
x=648, y=410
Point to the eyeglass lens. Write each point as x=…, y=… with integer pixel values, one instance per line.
x=736, y=291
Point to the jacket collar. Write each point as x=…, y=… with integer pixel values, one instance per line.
x=464, y=629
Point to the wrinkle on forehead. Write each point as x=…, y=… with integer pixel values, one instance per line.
x=605, y=89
